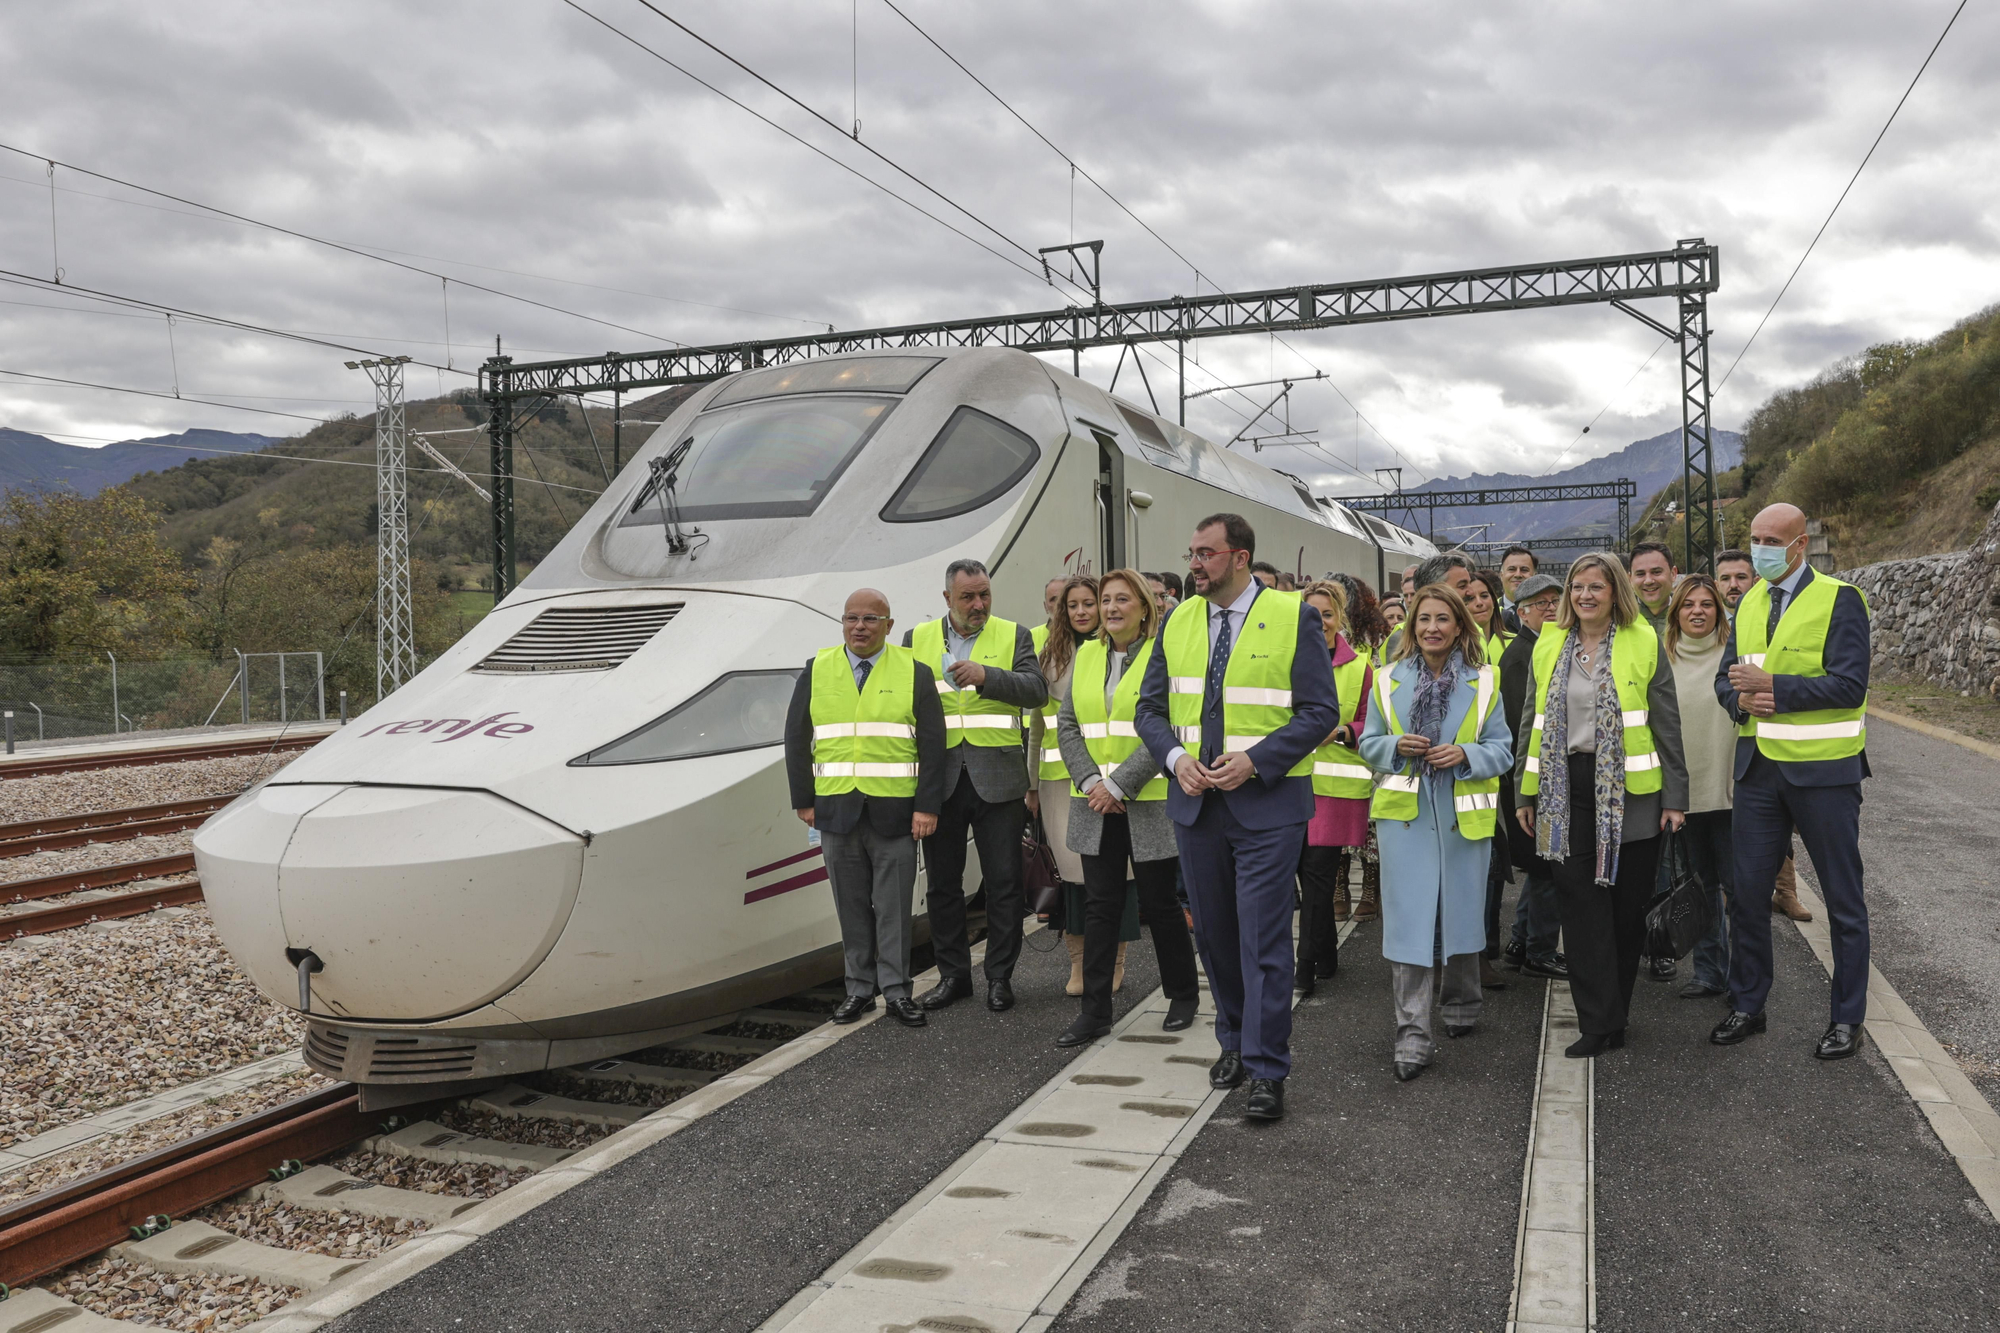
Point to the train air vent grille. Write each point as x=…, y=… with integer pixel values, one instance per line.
x=326, y=1049
x=417, y=1055
x=580, y=638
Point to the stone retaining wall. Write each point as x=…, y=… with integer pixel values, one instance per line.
x=1937, y=618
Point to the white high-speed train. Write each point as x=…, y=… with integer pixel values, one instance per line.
x=570, y=836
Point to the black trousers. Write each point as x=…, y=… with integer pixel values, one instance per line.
x=1104, y=889
x=996, y=829
x=1322, y=871
x=1497, y=871
x=1604, y=929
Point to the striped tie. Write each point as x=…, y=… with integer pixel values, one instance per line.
x=1211, y=704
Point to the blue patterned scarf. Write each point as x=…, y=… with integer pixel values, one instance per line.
x=1554, y=838
x=1427, y=714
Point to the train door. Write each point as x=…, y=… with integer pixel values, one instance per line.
x=1110, y=504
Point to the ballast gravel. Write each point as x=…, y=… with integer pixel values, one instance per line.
x=92, y=856
x=92, y=1020
x=118, y=1289
x=285, y=1227
x=87, y=793
x=649, y=1095
x=461, y=1180
x=505, y=1129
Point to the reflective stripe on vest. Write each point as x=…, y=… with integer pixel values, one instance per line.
x=1257, y=683
x=1050, y=766
x=968, y=718
x=1109, y=735
x=1337, y=769
x=1475, y=802
x=1799, y=649
x=1635, y=656
x=865, y=739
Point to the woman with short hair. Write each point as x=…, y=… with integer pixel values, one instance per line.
x=1118, y=812
x=1436, y=729
x=1600, y=775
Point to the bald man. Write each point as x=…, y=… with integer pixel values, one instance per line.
x=864, y=757
x=1795, y=677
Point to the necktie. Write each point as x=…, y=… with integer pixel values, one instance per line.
x=861, y=673
x=1777, y=610
x=1211, y=711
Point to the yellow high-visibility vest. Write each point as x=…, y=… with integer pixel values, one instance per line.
x=1635, y=655
x=1109, y=733
x=968, y=717
x=1475, y=801
x=1338, y=769
x=864, y=739
x=1798, y=650
x=1050, y=768
x=1256, y=685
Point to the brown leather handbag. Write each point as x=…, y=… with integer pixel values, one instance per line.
x=1041, y=882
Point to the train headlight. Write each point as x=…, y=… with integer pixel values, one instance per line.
x=744, y=710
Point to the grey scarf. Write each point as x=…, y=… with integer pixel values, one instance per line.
x=1554, y=838
x=1427, y=714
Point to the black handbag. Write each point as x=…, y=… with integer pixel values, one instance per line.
x=1041, y=882
x=1681, y=916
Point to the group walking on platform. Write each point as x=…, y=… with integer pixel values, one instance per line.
x=1214, y=763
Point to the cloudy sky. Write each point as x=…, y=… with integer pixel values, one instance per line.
x=520, y=146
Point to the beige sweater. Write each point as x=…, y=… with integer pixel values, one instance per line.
x=1708, y=735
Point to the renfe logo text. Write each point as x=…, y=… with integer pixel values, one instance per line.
x=456, y=728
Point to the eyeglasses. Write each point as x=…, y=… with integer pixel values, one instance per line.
x=870, y=621
x=1202, y=556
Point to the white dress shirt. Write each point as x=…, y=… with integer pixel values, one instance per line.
x=1238, y=611
x=854, y=663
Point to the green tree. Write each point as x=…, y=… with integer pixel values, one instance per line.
x=79, y=575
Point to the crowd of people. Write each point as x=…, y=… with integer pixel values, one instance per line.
x=1206, y=758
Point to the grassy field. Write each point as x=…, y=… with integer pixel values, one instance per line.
x=472, y=605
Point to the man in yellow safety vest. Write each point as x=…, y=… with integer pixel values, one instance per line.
x=864, y=757
x=1795, y=677
x=988, y=681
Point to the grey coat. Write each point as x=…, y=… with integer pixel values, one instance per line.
x=1642, y=813
x=1152, y=831
x=1000, y=772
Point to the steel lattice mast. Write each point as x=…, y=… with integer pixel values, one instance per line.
x=395, y=632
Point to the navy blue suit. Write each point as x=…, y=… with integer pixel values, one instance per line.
x=1821, y=799
x=1240, y=849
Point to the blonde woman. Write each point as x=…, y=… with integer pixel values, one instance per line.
x=1119, y=813
x=1436, y=729
x=1342, y=788
x=1072, y=622
x=1599, y=776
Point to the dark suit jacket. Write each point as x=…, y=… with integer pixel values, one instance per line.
x=1517, y=696
x=1845, y=685
x=889, y=815
x=999, y=772
x=1270, y=799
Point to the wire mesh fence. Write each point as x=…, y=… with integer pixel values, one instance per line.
x=54, y=699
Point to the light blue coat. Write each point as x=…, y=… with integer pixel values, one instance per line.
x=1425, y=861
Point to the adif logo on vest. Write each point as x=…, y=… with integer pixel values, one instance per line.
x=456, y=728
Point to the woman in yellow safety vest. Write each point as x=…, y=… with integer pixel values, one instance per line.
x=1599, y=776
x=1072, y=622
x=1342, y=787
x=1368, y=630
x=1437, y=735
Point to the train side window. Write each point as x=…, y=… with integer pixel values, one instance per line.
x=744, y=710
x=974, y=461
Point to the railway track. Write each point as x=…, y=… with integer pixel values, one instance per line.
x=49, y=835
x=68, y=916
x=27, y=766
x=140, y=1209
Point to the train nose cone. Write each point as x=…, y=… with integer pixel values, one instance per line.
x=421, y=903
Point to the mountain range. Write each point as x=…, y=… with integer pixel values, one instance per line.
x=1651, y=465
x=35, y=462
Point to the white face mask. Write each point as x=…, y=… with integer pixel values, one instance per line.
x=1771, y=562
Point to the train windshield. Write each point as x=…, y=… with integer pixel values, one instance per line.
x=776, y=458
x=882, y=374
x=974, y=461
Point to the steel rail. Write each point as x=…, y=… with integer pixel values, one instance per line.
x=29, y=767
x=56, y=1228
x=48, y=920
x=139, y=828
x=125, y=872
x=107, y=819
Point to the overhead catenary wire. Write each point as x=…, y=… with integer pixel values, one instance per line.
x=1843, y=195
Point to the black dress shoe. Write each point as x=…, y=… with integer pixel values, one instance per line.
x=999, y=996
x=1593, y=1044
x=1664, y=969
x=1228, y=1071
x=850, y=1009
x=1458, y=1029
x=1302, y=981
x=1084, y=1029
x=1699, y=990
x=1736, y=1028
x=1180, y=1015
x=945, y=993
x=907, y=1012
x=1267, y=1099
x=1841, y=1040
x=1514, y=955
x=1555, y=968
x=1407, y=1070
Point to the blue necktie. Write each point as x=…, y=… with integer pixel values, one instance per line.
x=1777, y=612
x=1211, y=709
x=861, y=670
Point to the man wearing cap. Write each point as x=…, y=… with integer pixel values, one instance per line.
x=1536, y=922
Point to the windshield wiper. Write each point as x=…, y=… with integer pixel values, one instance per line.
x=664, y=488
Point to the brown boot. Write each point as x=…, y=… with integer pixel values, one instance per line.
x=1371, y=892
x=1786, y=899
x=1118, y=972
x=1075, y=984
x=1340, y=907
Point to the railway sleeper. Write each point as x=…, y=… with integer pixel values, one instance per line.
x=32, y=1310
x=322, y=1189
x=514, y=1102
x=198, y=1249
x=428, y=1141
x=637, y=1071
x=708, y=1044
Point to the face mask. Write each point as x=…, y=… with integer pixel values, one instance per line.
x=1770, y=562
